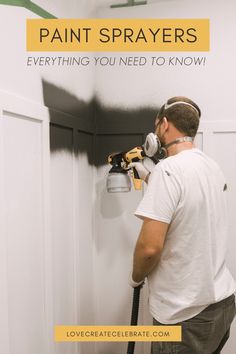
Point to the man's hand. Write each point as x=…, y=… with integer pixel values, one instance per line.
x=143, y=173
x=143, y=168
x=133, y=283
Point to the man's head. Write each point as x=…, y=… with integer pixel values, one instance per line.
x=182, y=113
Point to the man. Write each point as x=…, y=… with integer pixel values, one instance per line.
x=181, y=248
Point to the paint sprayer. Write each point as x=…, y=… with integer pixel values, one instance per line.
x=118, y=179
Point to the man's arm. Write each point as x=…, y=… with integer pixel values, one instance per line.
x=148, y=248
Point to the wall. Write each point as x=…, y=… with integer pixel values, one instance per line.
x=26, y=321
x=60, y=9
x=26, y=81
x=72, y=230
x=138, y=86
x=135, y=89
x=46, y=226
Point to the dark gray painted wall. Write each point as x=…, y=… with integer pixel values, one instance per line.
x=109, y=129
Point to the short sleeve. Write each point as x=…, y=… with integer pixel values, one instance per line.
x=162, y=196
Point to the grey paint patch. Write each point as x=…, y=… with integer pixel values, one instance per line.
x=109, y=129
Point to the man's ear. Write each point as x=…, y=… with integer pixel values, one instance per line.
x=165, y=123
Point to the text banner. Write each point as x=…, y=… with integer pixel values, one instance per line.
x=122, y=35
x=118, y=333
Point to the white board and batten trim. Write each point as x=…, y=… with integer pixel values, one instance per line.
x=208, y=129
x=19, y=119
x=18, y=112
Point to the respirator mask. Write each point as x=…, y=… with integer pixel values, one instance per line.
x=153, y=146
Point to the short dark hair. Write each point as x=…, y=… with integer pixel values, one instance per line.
x=185, y=117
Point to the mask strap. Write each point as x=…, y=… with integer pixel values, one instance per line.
x=179, y=140
x=180, y=102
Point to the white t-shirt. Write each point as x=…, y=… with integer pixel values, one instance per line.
x=187, y=191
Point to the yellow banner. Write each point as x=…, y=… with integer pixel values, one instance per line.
x=122, y=35
x=118, y=333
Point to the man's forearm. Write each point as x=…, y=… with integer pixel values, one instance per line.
x=148, y=248
x=143, y=264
